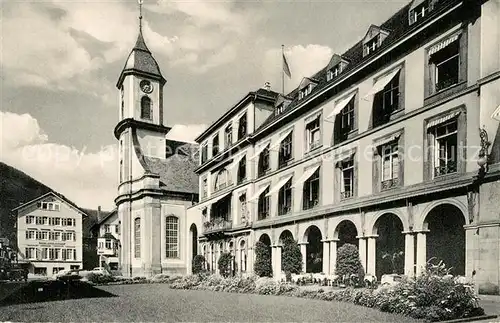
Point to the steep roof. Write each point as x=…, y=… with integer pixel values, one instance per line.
x=397, y=25
x=141, y=61
x=55, y=194
x=177, y=171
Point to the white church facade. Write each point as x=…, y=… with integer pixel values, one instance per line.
x=157, y=182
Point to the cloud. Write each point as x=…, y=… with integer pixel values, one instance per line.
x=87, y=178
x=304, y=61
x=186, y=133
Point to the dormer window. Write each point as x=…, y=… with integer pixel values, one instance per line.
x=372, y=45
x=334, y=72
x=204, y=153
x=279, y=109
x=420, y=9
x=306, y=87
x=373, y=39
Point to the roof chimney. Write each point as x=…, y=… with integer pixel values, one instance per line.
x=267, y=86
x=99, y=213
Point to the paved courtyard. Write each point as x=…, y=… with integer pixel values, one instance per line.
x=159, y=303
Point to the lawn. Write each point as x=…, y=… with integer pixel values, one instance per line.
x=156, y=302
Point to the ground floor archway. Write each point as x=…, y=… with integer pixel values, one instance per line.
x=346, y=232
x=314, y=250
x=389, y=245
x=446, y=237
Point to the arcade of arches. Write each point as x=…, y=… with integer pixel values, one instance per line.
x=386, y=248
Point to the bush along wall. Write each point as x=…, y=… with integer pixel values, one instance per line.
x=198, y=264
x=262, y=266
x=430, y=297
x=348, y=262
x=291, y=258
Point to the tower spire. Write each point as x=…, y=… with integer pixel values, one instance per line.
x=140, y=15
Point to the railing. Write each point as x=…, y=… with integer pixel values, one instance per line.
x=346, y=195
x=216, y=225
x=284, y=209
x=450, y=167
x=446, y=83
x=390, y=183
x=262, y=215
x=309, y=204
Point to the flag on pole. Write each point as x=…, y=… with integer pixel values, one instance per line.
x=286, y=68
x=496, y=114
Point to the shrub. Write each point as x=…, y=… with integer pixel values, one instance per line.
x=291, y=258
x=198, y=264
x=100, y=279
x=262, y=266
x=348, y=262
x=224, y=264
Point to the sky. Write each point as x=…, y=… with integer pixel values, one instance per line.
x=60, y=61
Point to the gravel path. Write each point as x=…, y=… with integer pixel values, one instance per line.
x=156, y=302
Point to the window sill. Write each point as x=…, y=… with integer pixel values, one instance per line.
x=285, y=163
x=441, y=94
x=314, y=149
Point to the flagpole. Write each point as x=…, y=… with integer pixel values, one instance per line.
x=282, y=69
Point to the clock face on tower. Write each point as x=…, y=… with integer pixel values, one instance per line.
x=146, y=86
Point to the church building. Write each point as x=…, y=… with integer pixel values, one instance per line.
x=157, y=182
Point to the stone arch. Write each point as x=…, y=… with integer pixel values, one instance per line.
x=305, y=232
x=284, y=235
x=390, y=244
x=193, y=232
x=265, y=238
x=402, y=218
x=243, y=255
x=422, y=225
x=445, y=236
x=346, y=231
x=314, y=249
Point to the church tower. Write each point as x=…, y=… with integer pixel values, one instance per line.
x=141, y=135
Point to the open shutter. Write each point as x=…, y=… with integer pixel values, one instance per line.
x=376, y=171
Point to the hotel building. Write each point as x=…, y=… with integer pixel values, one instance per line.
x=390, y=147
x=49, y=234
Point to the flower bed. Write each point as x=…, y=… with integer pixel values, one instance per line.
x=429, y=297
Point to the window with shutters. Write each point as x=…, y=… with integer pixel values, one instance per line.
x=228, y=136
x=310, y=195
x=313, y=133
x=242, y=170
x=215, y=145
x=390, y=165
x=446, y=70
x=285, y=198
x=347, y=178
x=285, y=150
x=263, y=206
x=264, y=162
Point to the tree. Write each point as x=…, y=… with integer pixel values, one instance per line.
x=198, y=264
x=291, y=258
x=348, y=262
x=224, y=264
x=262, y=266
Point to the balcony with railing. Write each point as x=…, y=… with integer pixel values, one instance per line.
x=216, y=226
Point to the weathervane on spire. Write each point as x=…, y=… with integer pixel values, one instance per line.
x=140, y=13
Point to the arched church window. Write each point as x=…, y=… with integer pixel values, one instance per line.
x=146, y=107
x=222, y=180
x=137, y=237
x=172, y=237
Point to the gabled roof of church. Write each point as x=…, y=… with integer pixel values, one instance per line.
x=177, y=171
